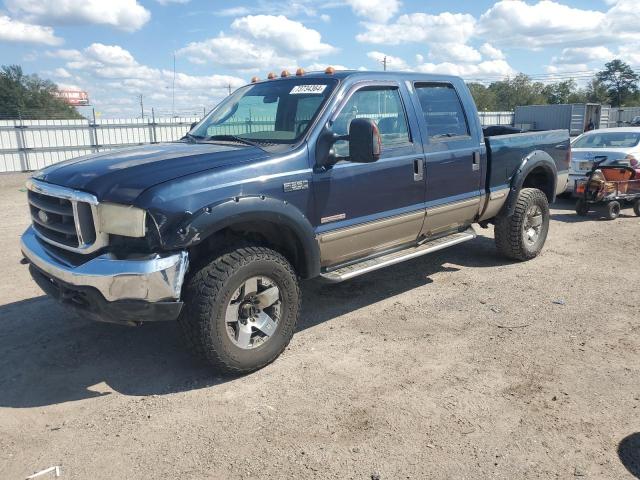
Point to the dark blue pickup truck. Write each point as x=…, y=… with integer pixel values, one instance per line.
x=330, y=174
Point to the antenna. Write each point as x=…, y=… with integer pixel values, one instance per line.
x=173, y=88
x=141, y=108
x=229, y=86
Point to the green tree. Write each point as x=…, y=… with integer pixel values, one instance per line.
x=620, y=81
x=520, y=90
x=29, y=96
x=560, y=92
x=596, y=92
x=485, y=98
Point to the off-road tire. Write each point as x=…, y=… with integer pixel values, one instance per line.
x=509, y=230
x=636, y=207
x=612, y=210
x=582, y=209
x=207, y=293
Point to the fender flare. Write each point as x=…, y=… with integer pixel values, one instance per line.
x=196, y=227
x=535, y=159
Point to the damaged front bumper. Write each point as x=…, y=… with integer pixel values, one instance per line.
x=106, y=288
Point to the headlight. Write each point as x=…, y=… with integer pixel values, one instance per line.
x=122, y=220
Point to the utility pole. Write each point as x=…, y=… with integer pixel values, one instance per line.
x=384, y=63
x=173, y=88
x=141, y=108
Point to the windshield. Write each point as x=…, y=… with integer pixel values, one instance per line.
x=608, y=140
x=277, y=111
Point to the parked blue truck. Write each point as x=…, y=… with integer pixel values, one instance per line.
x=325, y=174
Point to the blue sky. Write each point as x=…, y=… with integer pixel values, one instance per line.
x=119, y=49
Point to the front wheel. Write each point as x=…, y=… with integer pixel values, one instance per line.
x=241, y=309
x=522, y=235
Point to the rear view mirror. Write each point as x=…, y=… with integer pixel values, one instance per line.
x=365, y=144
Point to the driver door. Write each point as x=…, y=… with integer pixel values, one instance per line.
x=363, y=209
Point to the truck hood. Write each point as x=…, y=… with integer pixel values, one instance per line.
x=121, y=175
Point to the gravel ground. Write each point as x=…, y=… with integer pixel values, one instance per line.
x=455, y=365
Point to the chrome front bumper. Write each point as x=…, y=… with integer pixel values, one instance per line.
x=150, y=279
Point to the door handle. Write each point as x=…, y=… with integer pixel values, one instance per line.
x=475, y=161
x=418, y=169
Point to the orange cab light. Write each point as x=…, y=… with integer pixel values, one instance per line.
x=255, y=79
x=330, y=70
x=285, y=73
x=271, y=76
x=300, y=72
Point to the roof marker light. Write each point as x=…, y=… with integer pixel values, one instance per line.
x=330, y=70
x=255, y=79
x=300, y=72
x=271, y=76
x=284, y=74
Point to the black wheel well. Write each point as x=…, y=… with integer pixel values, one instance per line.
x=280, y=238
x=543, y=180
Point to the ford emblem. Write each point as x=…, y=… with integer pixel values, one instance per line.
x=42, y=215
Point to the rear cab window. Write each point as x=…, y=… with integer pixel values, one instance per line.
x=443, y=113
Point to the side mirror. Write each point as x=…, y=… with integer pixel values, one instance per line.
x=365, y=144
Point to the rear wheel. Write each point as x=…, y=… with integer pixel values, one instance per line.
x=522, y=235
x=241, y=309
x=582, y=208
x=636, y=207
x=612, y=210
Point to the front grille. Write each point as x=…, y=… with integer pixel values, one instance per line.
x=64, y=217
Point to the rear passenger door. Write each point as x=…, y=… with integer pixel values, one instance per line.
x=454, y=158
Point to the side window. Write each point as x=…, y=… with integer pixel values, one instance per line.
x=383, y=105
x=442, y=110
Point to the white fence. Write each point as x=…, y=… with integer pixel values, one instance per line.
x=496, y=118
x=32, y=144
x=27, y=145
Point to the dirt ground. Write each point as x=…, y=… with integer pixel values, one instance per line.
x=455, y=365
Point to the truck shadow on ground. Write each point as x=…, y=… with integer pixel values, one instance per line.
x=52, y=356
x=629, y=453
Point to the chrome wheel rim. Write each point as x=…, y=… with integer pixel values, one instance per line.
x=253, y=313
x=533, y=224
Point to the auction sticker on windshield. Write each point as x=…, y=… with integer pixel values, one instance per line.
x=307, y=89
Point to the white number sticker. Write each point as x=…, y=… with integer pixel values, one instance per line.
x=307, y=89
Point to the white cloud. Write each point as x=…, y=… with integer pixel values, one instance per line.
x=378, y=11
x=421, y=27
x=109, y=54
x=491, y=52
x=454, y=52
x=548, y=23
x=393, y=63
x=284, y=34
x=126, y=15
x=471, y=71
x=65, y=54
x=258, y=42
x=16, y=31
x=577, y=55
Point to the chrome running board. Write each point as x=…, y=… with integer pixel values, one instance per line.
x=366, y=266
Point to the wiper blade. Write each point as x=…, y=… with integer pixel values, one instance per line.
x=233, y=138
x=192, y=137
